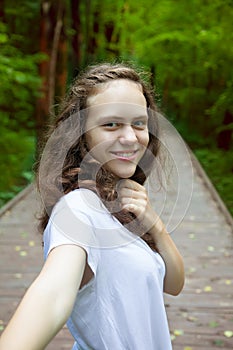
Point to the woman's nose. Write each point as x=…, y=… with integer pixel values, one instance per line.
x=127, y=135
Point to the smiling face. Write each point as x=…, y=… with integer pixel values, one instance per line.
x=116, y=127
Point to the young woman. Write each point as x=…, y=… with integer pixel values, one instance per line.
x=108, y=255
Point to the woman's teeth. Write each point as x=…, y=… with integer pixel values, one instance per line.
x=125, y=154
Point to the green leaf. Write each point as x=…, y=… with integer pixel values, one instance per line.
x=228, y=334
x=3, y=38
x=213, y=324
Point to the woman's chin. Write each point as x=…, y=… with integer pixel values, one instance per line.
x=124, y=174
x=121, y=170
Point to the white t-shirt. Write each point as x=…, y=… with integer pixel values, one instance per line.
x=121, y=307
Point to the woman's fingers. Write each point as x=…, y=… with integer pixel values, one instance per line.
x=130, y=184
x=131, y=189
x=132, y=196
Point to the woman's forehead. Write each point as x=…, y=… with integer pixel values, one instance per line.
x=119, y=90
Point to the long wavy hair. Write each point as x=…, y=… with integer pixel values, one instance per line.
x=65, y=163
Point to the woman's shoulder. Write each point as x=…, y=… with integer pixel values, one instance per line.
x=81, y=199
x=80, y=193
x=71, y=221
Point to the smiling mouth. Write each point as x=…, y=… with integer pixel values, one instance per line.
x=127, y=155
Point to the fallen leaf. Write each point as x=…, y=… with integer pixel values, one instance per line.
x=188, y=348
x=31, y=244
x=1, y=328
x=198, y=291
x=228, y=282
x=208, y=289
x=17, y=248
x=24, y=234
x=173, y=337
x=23, y=253
x=228, y=334
x=213, y=324
x=192, y=318
x=192, y=269
x=218, y=342
x=210, y=248
x=18, y=275
x=192, y=236
x=178, y=332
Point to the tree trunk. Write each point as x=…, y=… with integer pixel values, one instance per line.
x=224, y=138
x=62, y=58
x=42, y=108
x=54, y=53
x=2, y=11
x=51, y=22
x=77, y=37
x=92, y=29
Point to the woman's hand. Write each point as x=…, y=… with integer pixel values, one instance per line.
x=133, y=198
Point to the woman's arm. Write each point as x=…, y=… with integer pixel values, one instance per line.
x=48, y=302
x=174, y=278
x=134, y=198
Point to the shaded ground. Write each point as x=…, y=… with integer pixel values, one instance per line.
x=200, y=318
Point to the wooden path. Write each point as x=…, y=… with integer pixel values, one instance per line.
x=200, y=318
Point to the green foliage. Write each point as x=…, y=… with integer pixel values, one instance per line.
x=186, y=44
x=218, y=165
x=20, y=84
x=190, y=46
x=17, y=157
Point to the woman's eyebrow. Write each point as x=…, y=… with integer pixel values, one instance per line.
x=121, y=118
x=144, y=116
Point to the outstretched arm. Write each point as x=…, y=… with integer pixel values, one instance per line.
x=48, y=302
x=134, y=198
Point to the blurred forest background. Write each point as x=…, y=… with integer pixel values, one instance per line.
x=186, y=45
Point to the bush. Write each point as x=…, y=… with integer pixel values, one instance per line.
x=17, y=157
x=218, y=165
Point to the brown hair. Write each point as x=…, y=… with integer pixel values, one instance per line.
x=62, y=166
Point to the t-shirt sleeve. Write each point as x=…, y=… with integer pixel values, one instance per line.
x=160, y=265
x=71, y=224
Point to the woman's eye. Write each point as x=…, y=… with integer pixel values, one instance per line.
x=111, y=125
x=140, y=124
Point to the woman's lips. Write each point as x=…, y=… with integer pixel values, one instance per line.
x=125, y=155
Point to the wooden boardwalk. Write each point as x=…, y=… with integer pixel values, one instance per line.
x=200, y=318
